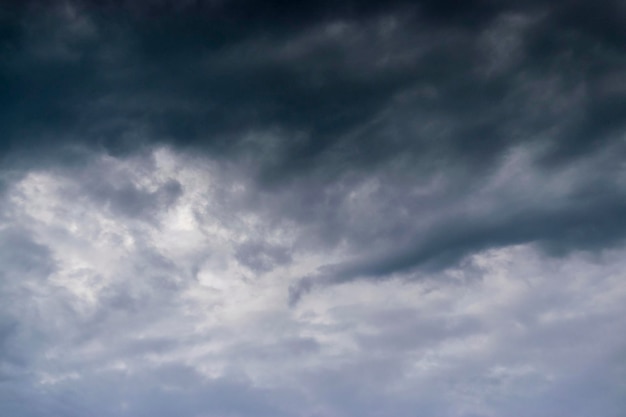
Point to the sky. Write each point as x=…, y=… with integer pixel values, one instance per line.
x=240, y=208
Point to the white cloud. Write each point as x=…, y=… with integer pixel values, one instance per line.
x=137, y=311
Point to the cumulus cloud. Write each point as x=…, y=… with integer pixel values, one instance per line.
x=312, y=209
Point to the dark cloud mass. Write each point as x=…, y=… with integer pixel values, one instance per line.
x=312, y=208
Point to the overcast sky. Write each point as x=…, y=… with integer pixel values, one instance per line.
x=242, y=208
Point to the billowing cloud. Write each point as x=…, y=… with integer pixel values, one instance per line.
x=311, y=209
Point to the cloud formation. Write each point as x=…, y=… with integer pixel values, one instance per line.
x=312, y=209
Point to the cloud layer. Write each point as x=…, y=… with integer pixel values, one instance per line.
x=308, y=209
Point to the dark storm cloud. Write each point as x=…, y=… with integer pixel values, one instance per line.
x=198, y=75
x=345, y=91
x=447, y=175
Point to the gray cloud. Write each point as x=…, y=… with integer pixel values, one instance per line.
x=260, y=256
x=311, y=208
